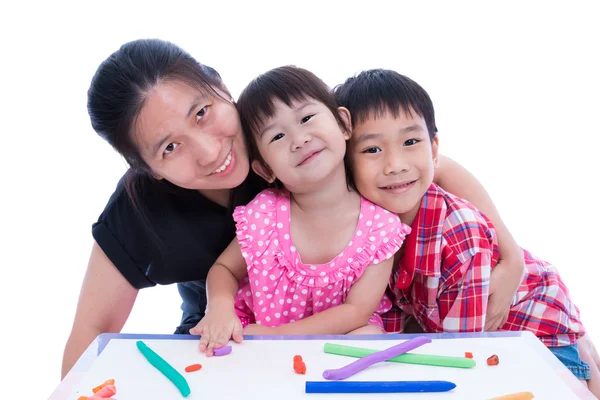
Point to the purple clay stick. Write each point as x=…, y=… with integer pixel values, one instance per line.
x=365, y=362
x=222, y=351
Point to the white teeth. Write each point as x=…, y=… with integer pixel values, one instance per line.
x=225, y=164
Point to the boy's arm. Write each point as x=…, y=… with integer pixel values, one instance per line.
x=508, y=274
x=362, y=301
x=462, y=304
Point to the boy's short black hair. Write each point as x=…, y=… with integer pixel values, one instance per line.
x=377, y=91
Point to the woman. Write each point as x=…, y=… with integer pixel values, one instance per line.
x=170, y=216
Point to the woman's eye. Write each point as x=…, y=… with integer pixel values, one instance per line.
x=411, y=142
x=201, y=113
x=277, y=137
x=170, y=148
x=306, y=119
x=372, y=150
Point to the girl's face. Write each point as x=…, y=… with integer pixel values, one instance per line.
x=191, y=139
x=301, y=145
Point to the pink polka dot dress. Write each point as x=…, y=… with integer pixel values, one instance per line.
x=280, y=288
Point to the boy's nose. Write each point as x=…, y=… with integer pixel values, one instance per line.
x=395, y=165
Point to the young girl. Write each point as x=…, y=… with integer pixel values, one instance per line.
x=311, y=256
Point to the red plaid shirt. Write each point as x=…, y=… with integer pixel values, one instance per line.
x=443, y=278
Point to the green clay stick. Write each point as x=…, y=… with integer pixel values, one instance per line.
x=165, y=368
x=407, y=358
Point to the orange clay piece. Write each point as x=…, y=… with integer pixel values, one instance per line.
x=193, y=367
x=99, y=387
x=300, y=367
x=516, y=396
x=468, y=354
x=493, y=360
x=82, y=398
x=297, y=358
x=106, y=392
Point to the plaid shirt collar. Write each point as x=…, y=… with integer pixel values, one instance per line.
x=422, y=246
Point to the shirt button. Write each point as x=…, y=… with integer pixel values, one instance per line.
x=403, y=276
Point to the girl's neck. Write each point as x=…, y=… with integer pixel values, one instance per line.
x=327, y=197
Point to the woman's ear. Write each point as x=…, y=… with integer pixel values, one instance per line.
x=347, y=118
x=263, y=171
x=434, y=151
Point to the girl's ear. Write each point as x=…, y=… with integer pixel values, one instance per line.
x=347, y=118
x=434, y=151
x=263, y=171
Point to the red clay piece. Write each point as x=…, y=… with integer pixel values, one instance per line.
x=493, y=360
x=193, y=367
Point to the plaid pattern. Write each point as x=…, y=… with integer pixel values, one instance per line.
x=443, y=278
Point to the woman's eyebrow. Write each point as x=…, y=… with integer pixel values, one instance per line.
x=160, y=143
x=195, y=103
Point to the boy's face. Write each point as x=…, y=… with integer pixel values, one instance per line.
x=392, y=161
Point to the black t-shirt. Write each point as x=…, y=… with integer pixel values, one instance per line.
x=177, y=238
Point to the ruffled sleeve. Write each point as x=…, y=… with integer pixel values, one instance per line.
x=256, y=225
x=385, y=234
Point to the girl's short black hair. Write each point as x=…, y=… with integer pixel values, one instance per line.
x=286, y=84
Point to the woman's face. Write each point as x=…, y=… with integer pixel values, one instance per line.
x=191, y=139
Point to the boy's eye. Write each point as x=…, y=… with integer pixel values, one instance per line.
x=277, y=137
x=411, y=142
x=372, y=150
x=306, y=119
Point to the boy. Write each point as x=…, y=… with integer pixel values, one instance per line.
x=443, y=270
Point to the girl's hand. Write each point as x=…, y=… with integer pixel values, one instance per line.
x=218, y=326
x=505, y=279
x=254, y=329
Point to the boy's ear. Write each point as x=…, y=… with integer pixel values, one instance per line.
x=347, y=118
x=263, y=171
x=434, y=151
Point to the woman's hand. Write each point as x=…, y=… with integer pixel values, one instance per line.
x=218, y=326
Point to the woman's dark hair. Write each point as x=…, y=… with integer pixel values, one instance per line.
x=119, y=90
x=286, y=84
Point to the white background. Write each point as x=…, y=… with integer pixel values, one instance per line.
x=515, y=85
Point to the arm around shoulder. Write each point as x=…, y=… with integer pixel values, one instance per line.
x=105, y=302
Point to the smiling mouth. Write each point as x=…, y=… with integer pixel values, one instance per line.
x=399, y=186
x=224, y=165
x=310, y=157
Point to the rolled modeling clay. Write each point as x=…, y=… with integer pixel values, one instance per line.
x=165, y=368
x=223, y=351
x=359, y=365
x=106, y=383
x=106, y=392
x=408, y=358
x=516, y=396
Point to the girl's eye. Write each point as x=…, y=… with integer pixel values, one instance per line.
x=372, y=150
x=306, y=119
x=201, y=113
x=411, y=142
x=170, y=148
x=277, y=137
